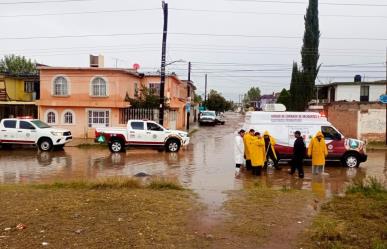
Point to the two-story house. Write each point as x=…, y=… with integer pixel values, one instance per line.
x=82, y=99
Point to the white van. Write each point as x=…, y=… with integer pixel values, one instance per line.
x=282, y=125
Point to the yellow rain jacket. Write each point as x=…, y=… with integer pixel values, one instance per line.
x=246, y=139
x=272, y=142
x=257, y=153
x=318, y=150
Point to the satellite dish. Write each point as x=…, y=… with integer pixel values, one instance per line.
x=136, y=66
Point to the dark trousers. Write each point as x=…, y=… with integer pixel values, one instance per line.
x=248, y=164
x=297, y=164
x=256, y=170
x=238, y=165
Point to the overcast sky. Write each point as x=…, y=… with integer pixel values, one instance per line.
x=238, y=43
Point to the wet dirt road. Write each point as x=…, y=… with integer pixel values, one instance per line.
x=206, y=166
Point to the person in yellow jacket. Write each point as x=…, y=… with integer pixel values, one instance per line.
x=247, y=139
x=269, y=149
x=318, y=151
x=257, y=153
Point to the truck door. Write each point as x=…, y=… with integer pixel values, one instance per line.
x=26, y=133
x=8, y=132
x=136, y=132
x=155, y=134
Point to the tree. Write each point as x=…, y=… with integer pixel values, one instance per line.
x=17, y=65
x=253, y=94
x=310, y=49
x=284, y=98
x=298, y=99
x=146, y=98
x=197, y=99
x=216, y=102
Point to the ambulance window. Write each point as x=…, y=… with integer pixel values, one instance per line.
x=330, y=133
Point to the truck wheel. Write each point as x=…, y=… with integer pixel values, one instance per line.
x=172, y=145
x=116, y=146
x=351, y=161
x=45, y=144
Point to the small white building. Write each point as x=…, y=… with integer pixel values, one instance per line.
x=351, y=91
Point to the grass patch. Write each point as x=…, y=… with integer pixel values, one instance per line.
x=259, y=212
x=356, y=221
x=106, y=183
x=163, y=184
x=369, y=187
x=110, y=213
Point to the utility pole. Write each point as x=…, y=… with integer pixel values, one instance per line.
x=205, y=90
x=163, y=55
x=188, y=107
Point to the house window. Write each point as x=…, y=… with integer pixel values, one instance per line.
x=51, y=117
x=60, y=86
x=28, y=86
x=68, y=117
x=365, y=93
x=155, y=87
x=99, y=87
x=98, y=118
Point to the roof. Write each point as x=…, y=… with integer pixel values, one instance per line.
x=379, y=82
x=122, y=70
x=268, y=96
x=191, y=83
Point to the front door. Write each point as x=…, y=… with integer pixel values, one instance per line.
x=155, y=134
x=26, y=133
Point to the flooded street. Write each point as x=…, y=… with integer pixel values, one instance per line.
x=206, y=166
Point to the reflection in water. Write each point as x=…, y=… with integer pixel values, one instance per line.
x=206, y=166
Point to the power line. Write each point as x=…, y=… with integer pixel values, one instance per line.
x=188, y=34
x=270, y=13
x=47, y=1
x=79, y=12
x=321, y=3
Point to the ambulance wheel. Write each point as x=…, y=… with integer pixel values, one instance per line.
x=351, y=161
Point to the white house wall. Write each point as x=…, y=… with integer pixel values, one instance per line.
x=376, y=91
x=348, y=93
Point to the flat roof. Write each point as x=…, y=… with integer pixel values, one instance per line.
x=379, y=82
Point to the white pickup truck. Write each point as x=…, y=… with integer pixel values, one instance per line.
x=32, y=132
x=142, y=133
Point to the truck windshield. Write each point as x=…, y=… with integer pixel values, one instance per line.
x=330, y=133
x=208, y=114
x=40, y=124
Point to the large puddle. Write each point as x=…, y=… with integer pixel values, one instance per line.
x=206, y=166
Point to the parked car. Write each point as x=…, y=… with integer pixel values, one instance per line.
x=207, y=118
x=27, y=131
x=282, y=125
x=144, y=134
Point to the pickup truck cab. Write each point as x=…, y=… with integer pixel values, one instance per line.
x=208, y=117
x=142, y=133
x=29, y=131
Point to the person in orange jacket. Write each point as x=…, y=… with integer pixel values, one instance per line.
x=247, y=139
x=257, y=153
x=318, y=150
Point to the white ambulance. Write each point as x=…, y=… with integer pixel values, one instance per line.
x=282, y=125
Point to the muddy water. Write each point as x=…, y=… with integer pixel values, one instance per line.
x=206, y=166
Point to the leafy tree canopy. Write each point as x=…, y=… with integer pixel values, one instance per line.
x=17, y=65
x=216, y=102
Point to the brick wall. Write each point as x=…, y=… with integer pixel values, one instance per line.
x=366, y=121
